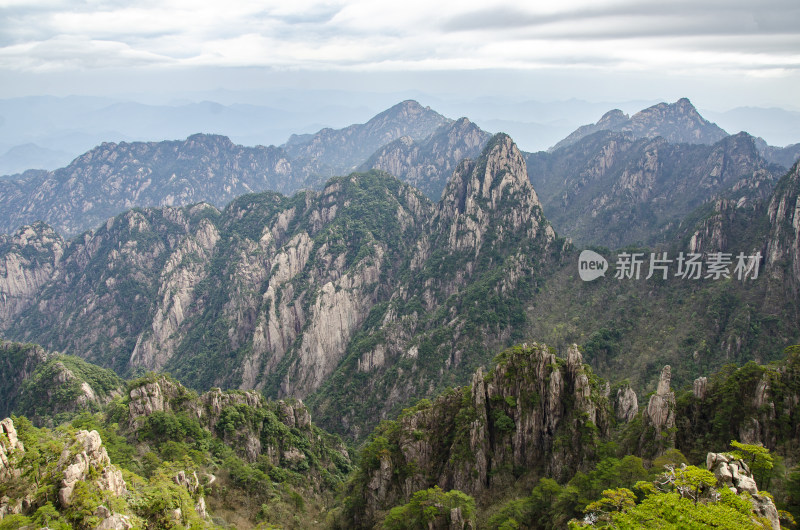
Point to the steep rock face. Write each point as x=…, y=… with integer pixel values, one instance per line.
x=11, y=450
x=699, y=387
x=289, y=294
x=153, y=396
x=783, y=242
x=105, y=284
x=486, y=240
x=479, y=192
x=514, y=417
x=28, y=259
x=428, y=164
x=295, y=414
x=677, y=122
x=712, y=234
x=660, y=415
x=613, y=189
x=322, y=284
x=287, y=282
x=626, y=405
x=185, y=268
x=192, y=485
x=340, y=308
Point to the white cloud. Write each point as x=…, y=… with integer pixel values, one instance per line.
x=686, y=36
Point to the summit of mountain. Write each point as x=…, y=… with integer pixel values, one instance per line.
x=613, y=189
x=427, y=164
x=678, y=122
x=343, y=150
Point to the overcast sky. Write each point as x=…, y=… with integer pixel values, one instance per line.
x=720, y=52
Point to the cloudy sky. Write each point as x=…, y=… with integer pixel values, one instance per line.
x=723, y=52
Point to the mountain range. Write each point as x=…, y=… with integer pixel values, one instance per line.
x=638, y=161
x=368, y=284
x=380, y=298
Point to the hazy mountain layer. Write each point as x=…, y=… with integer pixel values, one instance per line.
x=677, y=122
x=114, y=177
x=343, y=150
x=428, y=164
x=612, y=189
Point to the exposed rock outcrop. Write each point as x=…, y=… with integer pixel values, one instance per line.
x=185, y=268
x=192, y=485
x=783, y=243
x=626, y=405
x=28, y=260
x=699, y=387
x=736, y=475
x=11, y=450
x=514, y=417
x=295, y=414
x=476, y=194
x=151, y=397
x=660, y=416
x=89, y=459
x=428, y=164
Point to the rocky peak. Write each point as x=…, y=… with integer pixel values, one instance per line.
x=343, y=150
x=405, y=110
x=664, y=381
x=11, y=450
x=626, y=405
x=660, y=414
x=89, y=459
x=495, y=187
x=508, y=418
x=294, y=414
x=677, y=122
x=152, y=396
x=428, y=164
x=700, y=387
x=611, y=120
x=215, y=400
